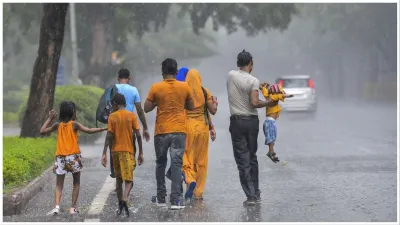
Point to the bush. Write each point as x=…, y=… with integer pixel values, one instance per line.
x=26, y=158
x=10, y=118
x=86, y=99
x=12, y=101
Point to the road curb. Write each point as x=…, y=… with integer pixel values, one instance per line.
x=14, y=203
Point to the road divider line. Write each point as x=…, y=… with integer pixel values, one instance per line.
x=99, y=201
x=92, y=220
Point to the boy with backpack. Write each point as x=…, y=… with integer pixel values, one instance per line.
x=132, y=99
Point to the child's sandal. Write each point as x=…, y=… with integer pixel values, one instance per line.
x=272, y=157
x=275, y=157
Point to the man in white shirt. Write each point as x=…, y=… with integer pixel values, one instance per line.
x=244, y=126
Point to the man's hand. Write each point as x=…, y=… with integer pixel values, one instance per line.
x=104, y=160
x=146, y=135
x=52, y=114
x=288, y=96
x=140, y=158
x=213, y=134
x=264, y=84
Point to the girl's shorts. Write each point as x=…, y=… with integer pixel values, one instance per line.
x=68, y=164
x=270, y=131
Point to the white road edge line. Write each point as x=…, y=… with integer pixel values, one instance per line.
x=99, y=201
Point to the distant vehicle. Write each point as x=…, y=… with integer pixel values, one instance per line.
x=303, y=90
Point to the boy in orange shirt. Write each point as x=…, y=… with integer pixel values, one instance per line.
x=275, y=93
x=121, y=125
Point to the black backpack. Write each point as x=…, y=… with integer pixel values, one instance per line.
x=104, y=108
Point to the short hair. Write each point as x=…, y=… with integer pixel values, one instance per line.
x=169, y=66
x=124, y=74
x=119, y=99
x=67, y=111
x=244, y=58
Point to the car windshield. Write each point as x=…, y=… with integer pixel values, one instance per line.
x=295, y=83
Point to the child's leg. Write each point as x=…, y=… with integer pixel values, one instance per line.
x=128, y=188
x=59, y=188
x=75, y=191
x=60, y=172
x=271, y=147
x=269, y=129
x=119, y=188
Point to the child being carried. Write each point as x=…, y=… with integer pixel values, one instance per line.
x=275, y=93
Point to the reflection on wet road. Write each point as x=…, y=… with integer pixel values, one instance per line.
x=340, y=166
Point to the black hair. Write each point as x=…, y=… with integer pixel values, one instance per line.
x=169, y=67
x=244, y=58
x=124, y=74
x=119, y=99
x=67, y=111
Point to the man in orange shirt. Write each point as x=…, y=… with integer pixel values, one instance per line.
x=171, y=97
x=121, y=123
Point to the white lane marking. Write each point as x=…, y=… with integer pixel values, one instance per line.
x=99, y=201
x=92, y=220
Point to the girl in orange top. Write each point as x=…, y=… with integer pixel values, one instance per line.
x=68, y=154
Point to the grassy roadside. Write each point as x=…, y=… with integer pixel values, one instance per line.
x=24, y=159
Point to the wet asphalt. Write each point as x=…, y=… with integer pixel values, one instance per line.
x=337, y=167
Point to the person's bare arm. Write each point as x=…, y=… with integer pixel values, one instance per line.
x=142, y=118
x=257, y=103
x=212, y=106
x=141, y=115
x=140, y=145
x=149, y=106
x=107, y=144
x=45, y=129
x=189, y=105
x=80, y=127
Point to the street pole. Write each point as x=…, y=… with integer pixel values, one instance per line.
x=75, y=63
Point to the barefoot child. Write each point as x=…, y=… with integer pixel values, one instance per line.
x=68, y=154
x=275, y=93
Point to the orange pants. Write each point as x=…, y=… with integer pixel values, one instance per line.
x=195, y=158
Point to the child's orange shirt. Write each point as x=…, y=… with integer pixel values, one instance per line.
x=274, y=97
x=67, y=140
x=122, y=123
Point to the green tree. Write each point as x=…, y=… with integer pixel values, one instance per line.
x=140, y=18
x=41, y=94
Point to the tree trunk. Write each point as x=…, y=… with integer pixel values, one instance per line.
x=41, y=95
x=99, y=71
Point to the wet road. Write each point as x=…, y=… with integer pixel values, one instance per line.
x=340, y=166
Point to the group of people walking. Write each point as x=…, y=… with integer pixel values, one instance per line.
x=183, y=128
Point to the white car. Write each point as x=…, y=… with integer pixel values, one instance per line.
x=303, y=90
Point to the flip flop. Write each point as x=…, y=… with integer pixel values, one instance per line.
x=276, y=158
x=271, y=156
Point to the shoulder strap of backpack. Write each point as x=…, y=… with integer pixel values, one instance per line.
x=205, y=106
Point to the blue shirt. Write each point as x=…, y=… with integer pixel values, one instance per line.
x=131, y=94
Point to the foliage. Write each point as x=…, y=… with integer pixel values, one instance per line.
x=141, y=18
x=10, y=118
x=12, y=100
x=26, y=158
x=177, y=41
x=366, y=26
x=86, y=99
x=252, y=17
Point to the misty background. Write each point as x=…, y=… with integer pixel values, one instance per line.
x=348, y=49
